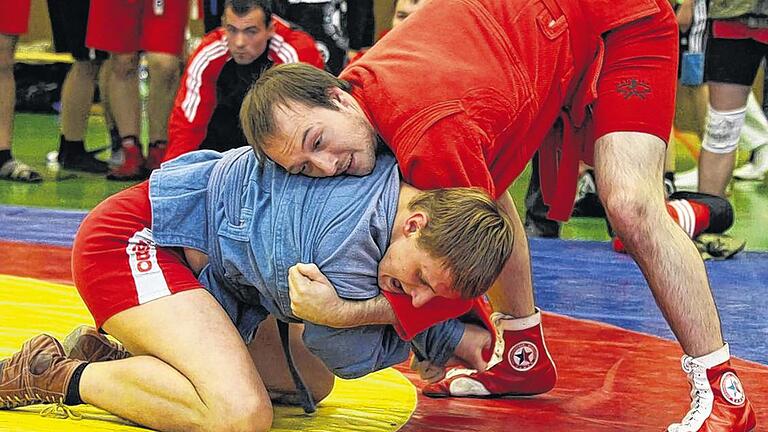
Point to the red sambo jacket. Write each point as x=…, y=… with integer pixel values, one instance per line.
x=464, y=92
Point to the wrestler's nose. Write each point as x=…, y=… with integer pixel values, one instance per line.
x=420, y=297
x=325, y=164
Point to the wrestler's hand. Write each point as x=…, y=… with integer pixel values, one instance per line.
x=469, y=352
x=313, y=297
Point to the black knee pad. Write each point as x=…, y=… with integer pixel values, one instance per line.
x=720, y=209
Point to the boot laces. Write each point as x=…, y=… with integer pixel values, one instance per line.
x=701, y=394
x=60, y=411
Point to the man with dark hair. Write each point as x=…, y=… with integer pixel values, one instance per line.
x=464, y=93
x=229, y=59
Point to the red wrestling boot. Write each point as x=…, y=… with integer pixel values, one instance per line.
x=127, y=163
x=718, y=401
x=520, y=364
x=155, y=155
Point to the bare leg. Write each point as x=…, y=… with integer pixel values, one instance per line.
x=163, y=81
x=191, y=370
x=104, y=77
x=628, y=166
x=76, y=98
x=715, y=169
x=267, y=353
x=7, y=89
x=124, y=93
x=669, y=158
x=512, y=294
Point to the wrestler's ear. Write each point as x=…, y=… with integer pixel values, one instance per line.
x=339, y=96
x=414, y=223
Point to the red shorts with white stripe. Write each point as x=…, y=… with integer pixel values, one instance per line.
x=14, y=20
x=122, y=27
x=115, y=262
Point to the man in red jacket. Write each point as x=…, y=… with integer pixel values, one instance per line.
x=464, y=93
x=229, y=59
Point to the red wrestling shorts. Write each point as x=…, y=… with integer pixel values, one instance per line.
x=636, y=88
x=128, y=26
x=115, y=262
x=15, y=17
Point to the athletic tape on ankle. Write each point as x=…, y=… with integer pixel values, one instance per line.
x=723, y=130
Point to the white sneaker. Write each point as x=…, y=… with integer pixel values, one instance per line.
x=756, y=168
x=688, y=180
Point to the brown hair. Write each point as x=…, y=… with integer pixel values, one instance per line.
x=469, y=232
x=278, y=86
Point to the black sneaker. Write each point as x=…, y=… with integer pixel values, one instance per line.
x=85, y=162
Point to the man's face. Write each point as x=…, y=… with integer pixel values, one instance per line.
x=408, y=269
x=405, y=8
x=247, y=36
x=322, y=142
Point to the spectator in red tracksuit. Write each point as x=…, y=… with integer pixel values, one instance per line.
x=227, y=62
x=464, y=93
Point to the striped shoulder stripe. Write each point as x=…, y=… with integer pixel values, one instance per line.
x=195, y=71
x=283, y=50
x=698, y=35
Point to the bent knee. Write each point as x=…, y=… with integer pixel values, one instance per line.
x=238, y=414
x=627, y=210
x=323, y=387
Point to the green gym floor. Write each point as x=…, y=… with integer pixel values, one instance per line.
x=37, y=134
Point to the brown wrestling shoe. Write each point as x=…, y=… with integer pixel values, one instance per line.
x=87, y=344
x=39, y=373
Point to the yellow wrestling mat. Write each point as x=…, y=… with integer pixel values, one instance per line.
x=382, y=401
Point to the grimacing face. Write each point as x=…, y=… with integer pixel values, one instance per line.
x=408, y=269
x=322, y=142
x=247, y=36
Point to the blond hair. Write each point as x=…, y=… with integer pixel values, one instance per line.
x=468, y=232
x=278, y=86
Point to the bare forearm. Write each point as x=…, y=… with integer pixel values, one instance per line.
x=369, y=312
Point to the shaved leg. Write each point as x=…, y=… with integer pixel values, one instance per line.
x=190, y=371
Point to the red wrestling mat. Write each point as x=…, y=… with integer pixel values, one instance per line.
x=50, y=263
x=610, y=379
